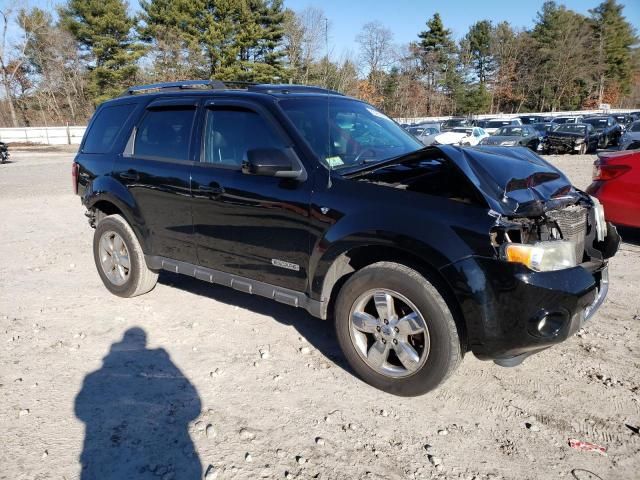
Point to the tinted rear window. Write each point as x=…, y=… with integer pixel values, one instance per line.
x=105, y=128
x=165, y=134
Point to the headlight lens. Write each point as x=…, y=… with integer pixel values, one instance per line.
x=579, y=141
x=508, y=143
x=542, y=256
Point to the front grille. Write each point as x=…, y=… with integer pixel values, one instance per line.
x=572, y=222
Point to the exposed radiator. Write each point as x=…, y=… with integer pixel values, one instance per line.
x=572, y=222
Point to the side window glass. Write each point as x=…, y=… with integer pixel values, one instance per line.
x=105, y=128
x=165, y=134
x=231, y=132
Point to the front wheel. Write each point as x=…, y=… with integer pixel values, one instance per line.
x=120, y=259
x=396, y=330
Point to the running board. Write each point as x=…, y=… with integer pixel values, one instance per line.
x=279, y=294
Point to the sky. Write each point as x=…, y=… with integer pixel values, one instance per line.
x=406, y=18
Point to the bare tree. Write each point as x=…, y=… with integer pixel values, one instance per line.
x=304, y=37
x=376, y=47
x=11, y=60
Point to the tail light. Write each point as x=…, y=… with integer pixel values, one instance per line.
x=74, y=177
x=603, y=172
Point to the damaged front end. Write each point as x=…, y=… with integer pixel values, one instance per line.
x=550, y=243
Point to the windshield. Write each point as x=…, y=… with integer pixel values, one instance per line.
x=345, y=132
x=635, y=127
x=598, y=123
x=467, y=131
x=497, y=123
x=562, y=120
x=454, y=122
x=510, y=132
x=571, y=128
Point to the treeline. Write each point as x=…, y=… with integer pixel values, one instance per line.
x=64, y=63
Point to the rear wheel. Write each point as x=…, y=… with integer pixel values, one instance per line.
x=120, y=259
x=396, y=330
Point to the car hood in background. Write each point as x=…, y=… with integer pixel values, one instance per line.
x=514, y=181
x=447, y=138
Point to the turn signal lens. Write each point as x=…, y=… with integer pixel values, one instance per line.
x=542, y=256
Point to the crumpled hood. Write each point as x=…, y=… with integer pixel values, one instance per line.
x=513, y=180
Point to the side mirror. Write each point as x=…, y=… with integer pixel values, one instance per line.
x=273, y=162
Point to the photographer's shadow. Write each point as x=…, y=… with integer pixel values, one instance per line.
x=136, y=410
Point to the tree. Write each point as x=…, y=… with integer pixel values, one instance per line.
x=170, y=27
x=104, y=31
x=241, y=39
x=304, y=36
x=476, y=45
x=614, y=37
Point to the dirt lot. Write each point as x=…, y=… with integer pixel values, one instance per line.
x=245, y=388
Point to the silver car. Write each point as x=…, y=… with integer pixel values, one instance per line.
x=425, y=132
x=630, y=139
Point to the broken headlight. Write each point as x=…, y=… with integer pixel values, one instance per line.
x=544, y=256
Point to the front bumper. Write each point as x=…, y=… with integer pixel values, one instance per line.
x=511, y=312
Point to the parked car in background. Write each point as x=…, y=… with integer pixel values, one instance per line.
x=480, y=123
x=514, y=136
x=465, y=136
x=625, y=119
x=4, y=152
x=531, y=119
x=572, y=138
x=616, y=183
x=426, y=133
x=494, y=124
x=455, y=122
x=608, y=129
x=630, y=139
x=567, y=119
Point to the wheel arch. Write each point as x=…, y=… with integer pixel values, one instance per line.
x=351, y=260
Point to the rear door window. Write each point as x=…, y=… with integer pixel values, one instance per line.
x=104, y=129
x=165, y=134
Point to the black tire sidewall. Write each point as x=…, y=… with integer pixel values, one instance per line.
x=442, y=332
x=115, y=224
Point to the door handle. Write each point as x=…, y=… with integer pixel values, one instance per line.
x=129, y=175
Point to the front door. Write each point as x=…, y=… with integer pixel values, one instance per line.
x=249, y=225
x=155, y=168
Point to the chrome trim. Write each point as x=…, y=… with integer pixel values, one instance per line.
x=602, y=293
x=279, y=294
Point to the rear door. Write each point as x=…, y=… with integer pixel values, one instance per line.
x=249, y=225
x=155, y=168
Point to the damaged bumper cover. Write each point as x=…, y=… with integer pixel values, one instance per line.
x=510, y=310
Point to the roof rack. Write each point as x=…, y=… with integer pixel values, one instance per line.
x=220, y=85
x=183, y=85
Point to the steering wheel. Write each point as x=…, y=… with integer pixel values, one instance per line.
x=357, y=159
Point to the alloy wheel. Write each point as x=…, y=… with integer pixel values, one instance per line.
x=389, y=333
x=114, y=258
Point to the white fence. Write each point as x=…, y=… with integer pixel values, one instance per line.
x=69, y=135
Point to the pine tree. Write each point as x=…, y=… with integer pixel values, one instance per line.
x=171, y=28
x=477, y=46
x=103, y=29
x=614, y=38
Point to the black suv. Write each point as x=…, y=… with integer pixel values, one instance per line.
x=322, y=202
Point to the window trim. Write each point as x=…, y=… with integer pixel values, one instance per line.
x=228, y=104
x=161, y=106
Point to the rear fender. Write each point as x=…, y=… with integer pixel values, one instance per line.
x=106, y=189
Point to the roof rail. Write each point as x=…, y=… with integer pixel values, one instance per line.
x=183, y=85
x=290, y=88
x=220, y=85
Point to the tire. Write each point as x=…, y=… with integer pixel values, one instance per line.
x=410, y=291
x=137, y=278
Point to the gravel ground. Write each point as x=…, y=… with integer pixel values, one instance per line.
x=193, y=379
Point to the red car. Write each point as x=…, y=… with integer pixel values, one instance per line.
x=616, y=183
